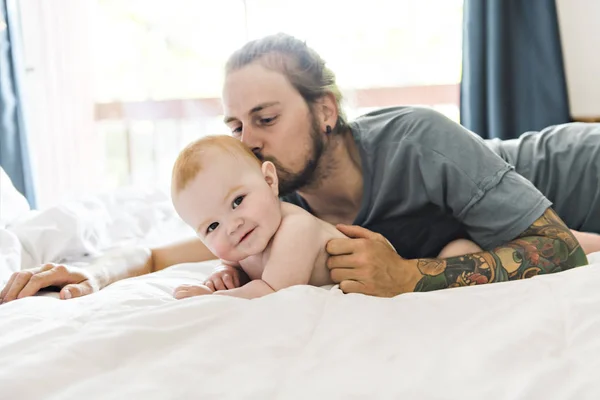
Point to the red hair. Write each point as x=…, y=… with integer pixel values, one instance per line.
x=189, y=162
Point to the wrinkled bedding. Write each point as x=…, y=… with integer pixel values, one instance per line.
x=538, y=338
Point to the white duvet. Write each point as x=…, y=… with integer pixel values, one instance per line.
x=533, y=339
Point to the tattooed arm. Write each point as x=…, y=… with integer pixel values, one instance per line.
x=545, y=247
x=366, y=263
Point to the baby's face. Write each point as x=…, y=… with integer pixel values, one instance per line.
x=232, y=206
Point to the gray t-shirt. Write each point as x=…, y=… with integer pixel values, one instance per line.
x=563, y=162
x=428, y=181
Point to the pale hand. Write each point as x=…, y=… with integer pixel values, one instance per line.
x=185, y=291
x=74, y=281
x=225, y=277
x=367, y=263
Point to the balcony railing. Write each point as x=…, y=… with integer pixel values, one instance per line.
x=180, y=109
x=142, y=138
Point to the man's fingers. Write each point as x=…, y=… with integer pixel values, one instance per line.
x=339, y=275
x=352, y=287
x=343, y=261
x=7, y=287
x=29, y=282
x=17, y=285
x=357, y=232
x=336, y=247
x=47, y=267
x=75, y=290
x=37, y=282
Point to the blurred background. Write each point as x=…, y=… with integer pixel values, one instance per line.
x=117, y=87
x=110, y=90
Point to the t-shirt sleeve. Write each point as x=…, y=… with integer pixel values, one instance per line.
x=463, y=176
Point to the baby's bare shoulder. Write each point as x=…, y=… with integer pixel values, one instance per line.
x=298, y=236
x=300, y=221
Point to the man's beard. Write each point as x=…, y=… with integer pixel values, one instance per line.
x=289, y=182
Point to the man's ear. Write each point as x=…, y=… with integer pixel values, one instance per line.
x=327, y=111
x=270, y=173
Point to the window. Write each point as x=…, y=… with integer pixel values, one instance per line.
x=158, y=65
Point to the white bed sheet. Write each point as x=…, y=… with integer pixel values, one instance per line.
x=538, y=338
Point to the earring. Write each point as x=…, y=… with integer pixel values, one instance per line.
x=328, y=129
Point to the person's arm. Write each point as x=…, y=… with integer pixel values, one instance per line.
x=130, y=262
x=225, y=279
x=547, y=246
x=501, y=211
x=251, y=290
x=291, y=260
x=111, y=267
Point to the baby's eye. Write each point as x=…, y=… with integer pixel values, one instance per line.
x=212, y=227
x=238, y=200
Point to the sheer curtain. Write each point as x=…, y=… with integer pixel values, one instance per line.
x=66, y=151
x=14, y=141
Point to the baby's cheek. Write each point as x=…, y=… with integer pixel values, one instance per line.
x=220, y=249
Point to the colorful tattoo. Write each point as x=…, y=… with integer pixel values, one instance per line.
x=546, y=247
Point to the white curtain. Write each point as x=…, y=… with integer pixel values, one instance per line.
x=67, y=154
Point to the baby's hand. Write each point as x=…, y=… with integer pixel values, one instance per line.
x=184, y=291
x=223, y=278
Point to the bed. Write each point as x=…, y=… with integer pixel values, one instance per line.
x=538, y=338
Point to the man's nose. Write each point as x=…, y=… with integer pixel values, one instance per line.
x=251, y=138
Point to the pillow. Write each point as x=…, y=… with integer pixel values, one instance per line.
x=12, y=203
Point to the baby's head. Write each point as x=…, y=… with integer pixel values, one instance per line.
x=227, y=196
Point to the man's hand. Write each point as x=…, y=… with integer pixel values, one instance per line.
x=367, y=263
x=75, y=282
x=225, y=277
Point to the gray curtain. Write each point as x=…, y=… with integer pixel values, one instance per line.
x=14, y=149
x=513, y=76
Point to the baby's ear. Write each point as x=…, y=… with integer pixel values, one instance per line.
x=270, y=173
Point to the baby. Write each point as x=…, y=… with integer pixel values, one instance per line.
x=230, y=199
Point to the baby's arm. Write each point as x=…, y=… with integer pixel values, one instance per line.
x=293, y=254
x=227, y=276
x=251, y=290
